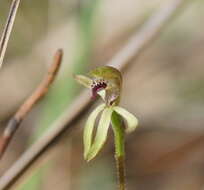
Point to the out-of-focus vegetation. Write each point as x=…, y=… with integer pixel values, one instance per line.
x=163, y=88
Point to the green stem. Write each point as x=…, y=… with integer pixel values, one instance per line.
x=118, y=130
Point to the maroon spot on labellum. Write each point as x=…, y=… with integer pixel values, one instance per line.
x=96, y=87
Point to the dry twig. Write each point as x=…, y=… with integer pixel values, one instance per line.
x=130, y=51
x=7, y=29
x=42, y=89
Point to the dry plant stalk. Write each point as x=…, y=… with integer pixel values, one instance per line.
x=7, y=29
x=42, y=89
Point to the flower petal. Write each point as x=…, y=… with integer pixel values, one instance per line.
x=101, y=133
x=84, y=80
x=102, y=94
x=88, y=130
x=132, y=121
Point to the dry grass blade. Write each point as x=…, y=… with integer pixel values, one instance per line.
x=131, y=50
x=143, y=38
x=7, y=29
x=29, y=103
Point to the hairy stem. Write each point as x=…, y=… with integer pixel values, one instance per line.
x=118, y=130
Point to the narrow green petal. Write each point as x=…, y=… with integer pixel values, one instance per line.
x=88, y=130
x=132, y=121
x=101, y=133
x=84, y=80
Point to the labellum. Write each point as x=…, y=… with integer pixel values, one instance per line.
x=97, y=86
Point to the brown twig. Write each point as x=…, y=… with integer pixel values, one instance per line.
x=42, y=89
x=131, y=50
x=8, y=28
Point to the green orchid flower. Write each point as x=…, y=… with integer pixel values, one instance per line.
x=106, y=82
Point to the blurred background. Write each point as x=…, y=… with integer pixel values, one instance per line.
x=163, y=88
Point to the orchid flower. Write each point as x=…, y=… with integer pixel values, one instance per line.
x=106, y=82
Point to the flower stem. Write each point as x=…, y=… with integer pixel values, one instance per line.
x=118, y=130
